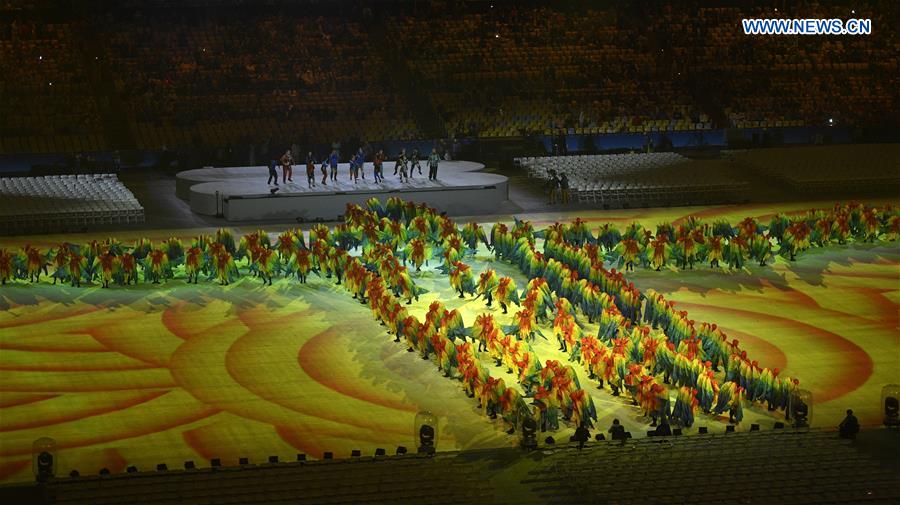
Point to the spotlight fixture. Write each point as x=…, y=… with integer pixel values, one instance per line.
x=273, y=191
x=301, y=457
x=401, y=450
x=243, y=461
x=131, y=469
x=754, y=427
x=104, y=471
x=549, y=441
x=702, y=430
x=380, y=452
x=162, y=467
x=355, y=453
x=189, y=465
x=729, y=428
x=778, y=426
x=273, y=459
x=215, y=463
x=74, y=473
x=328, y=455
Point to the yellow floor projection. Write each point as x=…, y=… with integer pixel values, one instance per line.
x=161, y=374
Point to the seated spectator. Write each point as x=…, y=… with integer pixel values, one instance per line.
x=617, y=431
x=849, y=427
x=663, y=430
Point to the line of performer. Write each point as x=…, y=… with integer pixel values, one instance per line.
x=405, y=167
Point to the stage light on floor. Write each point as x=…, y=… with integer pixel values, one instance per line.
x=162, y=467
x=189, y=465
x=328, y=455
x=426, y=432
x=355, y=453
x=43, y=459
x=215, y=463
x=74, y=473
x=778, y=426
x=702, y=430
x=549, y=441
x=380, y=452
x=301, y=457
x=401, y=450
x=243, y=461
x=891, y=405
x=600, y=437
x=754, y=427
x=528, y=433
x=273, y=460
x=131, y=469
x=729, y=428
x=104, y=471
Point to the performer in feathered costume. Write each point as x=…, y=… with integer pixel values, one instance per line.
x=567, y=331
x=461, y=279
x=76, y=264
x=128, y=269
x=660, y=247
x=193, y=262
x=685, y=405
x=539, y=290
x=707, y=388
x=730, y=399
x=174, y=251
x=525, y=325
x=60, y=261
x=286, y=244
x=406, y=287
x=445, y=351
x=35, y=263
x=142, y=248
x=608, y=237
x=7, y=260
x=583, y=411
x=418, y=251
x=472, y=233
x=736, y=252
x=491, y=391
x=452, y=324
x=156, y=266
x=687, y=250
x=714, y=251
x=106, y=264
x=481, y=330
x=266, y=264
x=506, y=293
x=487, y=284
x=224, y=267
x=629, y=249
x=796, y=239
x=510, y=405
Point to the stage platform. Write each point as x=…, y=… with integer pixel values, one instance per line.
x=241, y=193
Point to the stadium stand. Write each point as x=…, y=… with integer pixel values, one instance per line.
x=639, y=179
x=780, y=467
x=828, y=168
x=52, y=203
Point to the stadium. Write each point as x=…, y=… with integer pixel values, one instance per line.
x=537, y=252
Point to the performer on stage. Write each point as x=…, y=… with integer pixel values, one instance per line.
x=354, y=169
x=400, y=165
x=361, y=162
x=286, y=164
x=414, y=162
x=324, y=168
x=273, y=175
x=310, y=170
x=379, y=163
x=433, y=161
x=333, y=163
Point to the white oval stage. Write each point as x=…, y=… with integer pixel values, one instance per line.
x=242, y=193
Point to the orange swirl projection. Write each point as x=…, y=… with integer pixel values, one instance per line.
x=161, y=374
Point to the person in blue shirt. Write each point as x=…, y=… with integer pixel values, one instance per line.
x=361, y=162
x=333, y=163
x=273, y=175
